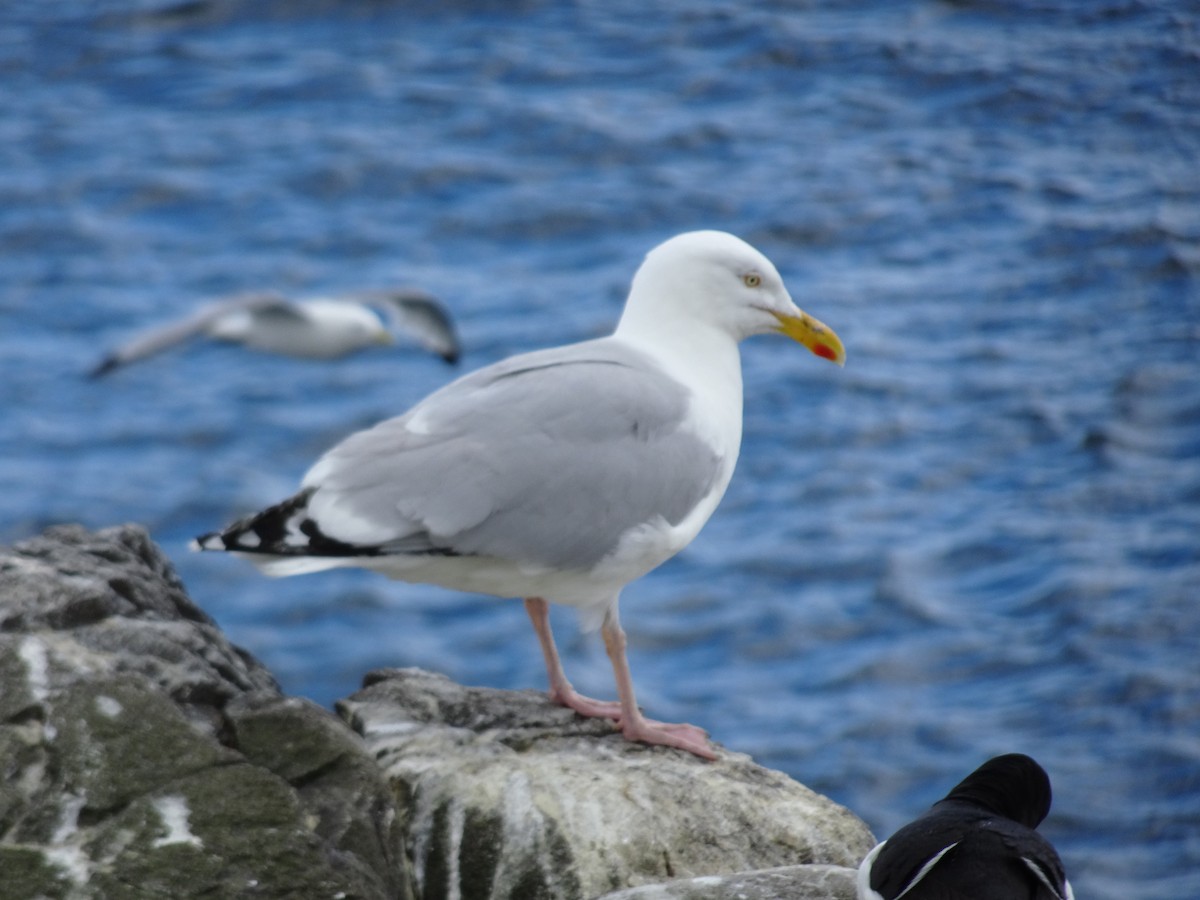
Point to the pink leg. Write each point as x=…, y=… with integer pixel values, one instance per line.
x=634, y=725
x=561, y=691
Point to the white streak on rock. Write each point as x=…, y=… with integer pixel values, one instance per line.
x=109, y=706
x=33, y=652
x=64, y=850
x=173, y=810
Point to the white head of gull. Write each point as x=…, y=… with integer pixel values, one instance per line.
x=560, y=475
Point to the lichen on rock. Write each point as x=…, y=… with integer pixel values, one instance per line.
x=508, y=795
x=144, y=755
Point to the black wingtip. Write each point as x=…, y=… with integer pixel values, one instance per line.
x=280, y=530
x=102, y=368
x=213, y=540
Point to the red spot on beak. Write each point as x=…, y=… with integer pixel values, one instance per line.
x=824, y=351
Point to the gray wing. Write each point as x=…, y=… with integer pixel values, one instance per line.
x=418, y=314
x=162, y=337
x=548, y=458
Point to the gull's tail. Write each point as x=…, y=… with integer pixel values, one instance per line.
x=284, y=540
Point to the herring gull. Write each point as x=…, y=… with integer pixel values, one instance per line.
x=559, y=475
x=978, y=841
x=318, y=328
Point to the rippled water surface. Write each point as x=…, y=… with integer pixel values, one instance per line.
x=982, y=535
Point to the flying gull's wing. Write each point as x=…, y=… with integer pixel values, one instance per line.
x=163, y=337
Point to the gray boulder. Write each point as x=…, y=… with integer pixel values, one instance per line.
x=504, y=794
x=811, y=882
x=146, y=756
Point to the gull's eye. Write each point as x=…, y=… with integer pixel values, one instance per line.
x=752, y=279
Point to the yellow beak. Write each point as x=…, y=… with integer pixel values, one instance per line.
x=383, y=336
x=813, y=334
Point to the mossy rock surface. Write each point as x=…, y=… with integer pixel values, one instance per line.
x=143, y=755
x=507, y=795
x=146, y=756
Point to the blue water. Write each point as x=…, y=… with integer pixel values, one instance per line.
x=982, y=535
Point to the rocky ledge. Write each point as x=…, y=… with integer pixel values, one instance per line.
x=146, y=756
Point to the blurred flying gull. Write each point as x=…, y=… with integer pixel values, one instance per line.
x=560, y=475
x=318, y=328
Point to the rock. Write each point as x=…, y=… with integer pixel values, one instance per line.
x=143, y=755
x=813, y=882
x=146, y=756
x=506, y=795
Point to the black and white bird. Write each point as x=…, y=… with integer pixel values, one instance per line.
x=977, y=843
x=318, y=328
x=560, y=475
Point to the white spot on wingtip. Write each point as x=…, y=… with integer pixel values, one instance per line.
x=295, y=537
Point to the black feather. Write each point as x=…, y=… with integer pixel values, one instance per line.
x=273, y=531
x=978, y=841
